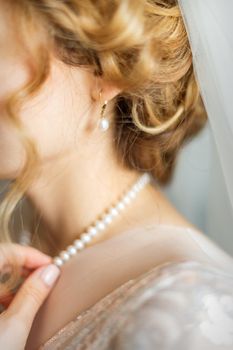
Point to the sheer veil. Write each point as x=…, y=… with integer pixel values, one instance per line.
x=210, y=28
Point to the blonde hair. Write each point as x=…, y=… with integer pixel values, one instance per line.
x=140, y=46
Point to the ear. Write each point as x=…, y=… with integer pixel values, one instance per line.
x=104, y=90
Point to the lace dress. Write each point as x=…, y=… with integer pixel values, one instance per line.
x=186, y=305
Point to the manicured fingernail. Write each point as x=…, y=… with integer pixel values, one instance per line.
x=49, y=274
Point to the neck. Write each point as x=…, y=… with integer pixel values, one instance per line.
x=73, y=191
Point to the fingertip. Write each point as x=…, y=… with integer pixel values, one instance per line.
x=35, y=257
x=49, y=274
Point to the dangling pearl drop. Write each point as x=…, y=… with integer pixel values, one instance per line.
x=104, y=124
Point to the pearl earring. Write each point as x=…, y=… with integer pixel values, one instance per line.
x=104, y=122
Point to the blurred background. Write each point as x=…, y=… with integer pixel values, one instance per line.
x=198, y=190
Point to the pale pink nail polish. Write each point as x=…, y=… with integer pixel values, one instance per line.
x=49, y=274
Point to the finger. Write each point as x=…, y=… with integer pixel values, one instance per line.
x=27, y=256
x=32, y=257
x=32, y=294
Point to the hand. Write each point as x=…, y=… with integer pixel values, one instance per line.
x=16, y=320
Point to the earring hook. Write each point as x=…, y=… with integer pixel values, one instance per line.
x=104, y=122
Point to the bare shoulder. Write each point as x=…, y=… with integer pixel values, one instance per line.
x=100, y=269
x=172, y=236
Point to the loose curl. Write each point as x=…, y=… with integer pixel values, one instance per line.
x=142, y=47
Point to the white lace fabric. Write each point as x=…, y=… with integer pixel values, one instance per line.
x=175, y=306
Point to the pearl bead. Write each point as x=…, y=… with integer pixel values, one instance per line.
x=78, y=244
x=92, y=231
x=132, y=194
x=113, y=212
x=71, y=250
x=58, y=261
x=64, y=255
x=100, y=225
x=85, y=237
x=126, y=199
x=140, y=185
x=136, y=188
x=104, y=124
x=120, y=206
x=107, y=219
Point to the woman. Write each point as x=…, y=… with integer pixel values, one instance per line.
x=96, y=96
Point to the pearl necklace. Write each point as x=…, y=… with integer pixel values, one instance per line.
x=100, y=225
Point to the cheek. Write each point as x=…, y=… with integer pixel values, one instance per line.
x=12, y=75
x=50, y=120
x=44, y=118
x=39, y=115
x=11, y=151
x=56, y=117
